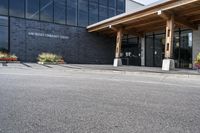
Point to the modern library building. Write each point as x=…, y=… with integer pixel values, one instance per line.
x=165, y=33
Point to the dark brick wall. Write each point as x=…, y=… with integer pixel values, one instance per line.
x=81, y=47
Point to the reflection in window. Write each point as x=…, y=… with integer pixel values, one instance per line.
x=4, y=7
x=111, y=12
x=120, y=5
x=46, y=10
x=72, y=12
x=3, y=21
x=112, y=8
x=103, y=14
x=3, y=32
x=93, y=11
x=59, y=11
x=103, y=2
x=112, y=3
x=82, y=12
x=119, y=12
x=32, y=9
x=149, y=51
x=17, y=8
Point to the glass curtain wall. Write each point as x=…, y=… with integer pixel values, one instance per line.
x=103, y=9
x=70, y=12
x=83, y=13
x=3, y=33
x=32, y=9
x=59, y=11
x=4, y=7
x=182, y=49
x=46, y=10
x=93, y=11
x=112, y=8
x=120, y=6
x=17, y=8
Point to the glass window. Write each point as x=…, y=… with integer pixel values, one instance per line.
x=103, y=2
x=59, y=11
x=121, y=5
x=17, y=8
x=32, y=9
x=119, y=12
x=3, y=32
x=183, y=49
x=4, y=7
x=3, y=21
x=93, y=11
x=149, y=51
x=46, y=10
x=82, y=12
x=72, y=12
x=112, y=3
x=103, y=14
x=111, y=12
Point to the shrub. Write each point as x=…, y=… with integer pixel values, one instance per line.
x=49, y=58
x=6, y=55
x=197, y=61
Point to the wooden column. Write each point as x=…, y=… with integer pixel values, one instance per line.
x=169, y=38
x=118, y=43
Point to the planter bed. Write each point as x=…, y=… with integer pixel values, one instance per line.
x=8, y=59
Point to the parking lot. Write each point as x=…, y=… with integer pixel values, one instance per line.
x=78, y=99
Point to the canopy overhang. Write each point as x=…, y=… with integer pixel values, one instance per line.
x=186, y=14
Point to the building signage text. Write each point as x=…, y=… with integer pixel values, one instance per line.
x=47, y=35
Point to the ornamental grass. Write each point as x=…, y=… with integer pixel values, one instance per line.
x=49, y=58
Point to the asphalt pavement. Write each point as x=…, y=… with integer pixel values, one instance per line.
x=64, y=99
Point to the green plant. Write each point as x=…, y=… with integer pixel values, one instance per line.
x=3, y=55
x=49, y=58
x=197, y=61
x=6, y=55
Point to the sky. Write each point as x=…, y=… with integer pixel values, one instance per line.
x=146, y=2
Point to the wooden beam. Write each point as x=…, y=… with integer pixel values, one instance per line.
x=178, y=20
x=184, y=22
x=195, y=17
x=141, y=14
x=113, y=28
x=142, y=24
x=118, y=43
x=169, y=38
x=163, y=15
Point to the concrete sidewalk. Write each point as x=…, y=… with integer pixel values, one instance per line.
x=99, y=68
x=137, y=69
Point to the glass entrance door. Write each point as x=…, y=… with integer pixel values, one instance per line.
x=155, y=46
x=131, y=51
x=159, y=49
x=183, y=49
